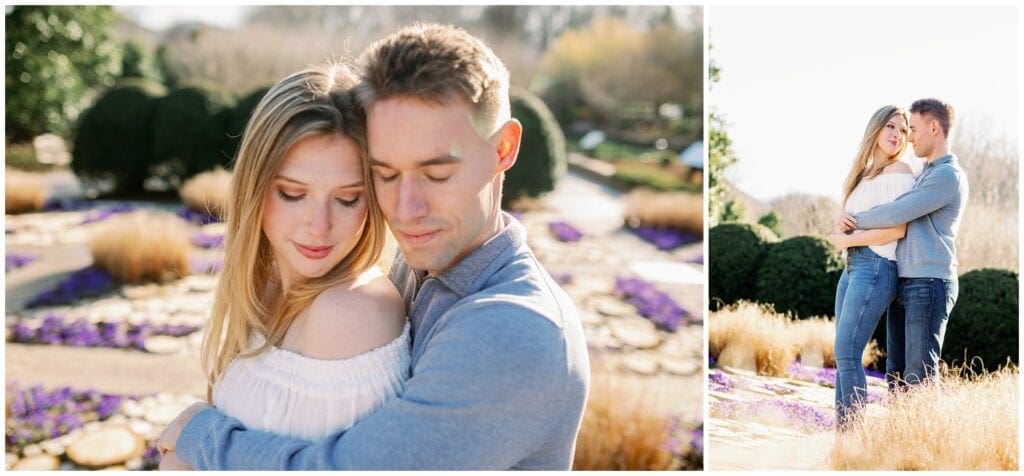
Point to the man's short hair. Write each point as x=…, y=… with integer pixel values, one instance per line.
x=936, y=109
x=439, y=64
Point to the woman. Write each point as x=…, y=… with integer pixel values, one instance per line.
x=868, y=283
x=307, y=336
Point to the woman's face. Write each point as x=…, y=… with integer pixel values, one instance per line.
x=893, y=135
x=316, y=207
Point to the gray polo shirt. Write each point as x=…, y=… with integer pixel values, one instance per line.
x=932, y=210
x=499, y=379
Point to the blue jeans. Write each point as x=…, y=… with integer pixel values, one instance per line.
x=916, y=326
x=866, y=288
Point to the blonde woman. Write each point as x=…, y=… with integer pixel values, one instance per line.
x=868, y=284
x=307, y=336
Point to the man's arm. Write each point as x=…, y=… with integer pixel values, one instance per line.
x=480, y=398
x=932, y=193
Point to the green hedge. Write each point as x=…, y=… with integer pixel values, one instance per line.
x=736, y=252
x=237, y=119
x=541, y=161
x=190, y=129
x=985, y=320
x=800, y=275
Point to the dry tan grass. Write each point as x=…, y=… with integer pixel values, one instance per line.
x=207, y=191
x=775, y=340
x=142, y=246
x=678, y=210
x=25, y=191
x=626, y=423
x=953, y=424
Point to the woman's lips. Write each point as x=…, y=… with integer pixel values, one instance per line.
x=313, y=252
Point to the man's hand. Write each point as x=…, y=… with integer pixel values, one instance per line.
x=838, y=240
x=169, y=438
x=169, y=461
x=846, y=223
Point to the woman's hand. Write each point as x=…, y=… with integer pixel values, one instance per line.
x=839, y=239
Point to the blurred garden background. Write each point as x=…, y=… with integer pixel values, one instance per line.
x=119, y=139
x=776, y=166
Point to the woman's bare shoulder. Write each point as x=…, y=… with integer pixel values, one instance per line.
x=898, y=167
x=355, y=317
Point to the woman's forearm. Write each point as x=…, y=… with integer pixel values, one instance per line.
x=878, y=236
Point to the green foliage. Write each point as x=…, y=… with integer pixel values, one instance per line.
x=541, y=160
x=771, y=220
x=168, y=66
x=114, y=137
x=984, y=322
x=55, y=56
x=634, y=174
x=237, y=117
x=800, y=275
x=136, y=62
x=23, y=157
x=736, y=252
x=189, y=131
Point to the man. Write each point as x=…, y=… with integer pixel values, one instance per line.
x=499, y=364
x=928, y=286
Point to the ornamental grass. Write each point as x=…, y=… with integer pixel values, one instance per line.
x=676, y=210
x=142, y=246
x=958, y=422
x=773, y=341
x=207, y=192
x=25, y=192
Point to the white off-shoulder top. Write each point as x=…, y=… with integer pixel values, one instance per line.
x=287, y=393
x=871, y=192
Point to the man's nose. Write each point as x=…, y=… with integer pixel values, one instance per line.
x=412, y=200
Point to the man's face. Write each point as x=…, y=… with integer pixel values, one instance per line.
x=436, y=179
x=921, y=134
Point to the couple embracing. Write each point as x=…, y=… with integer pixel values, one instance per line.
x=466, y=356
x=899, y=233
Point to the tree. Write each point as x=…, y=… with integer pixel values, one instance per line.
x=771, y=221
x=56, y=57
x=720, y=158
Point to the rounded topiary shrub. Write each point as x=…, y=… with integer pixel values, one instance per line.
x=237, y=117
x=984, y=321
x=541, y=158
x=799, y=275
x=189, y=127
x=736, y=251
x=114, y=137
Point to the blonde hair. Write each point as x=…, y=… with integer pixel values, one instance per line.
x=438, y=64
x=868, y=147
x=249, y=297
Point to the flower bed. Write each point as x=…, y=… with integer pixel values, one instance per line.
x=86, y=282
x=102, y=214
x=653, y=304
x=14, y=261
x=207, y=241
x=56, y=329
x=665, y=239
x=198, y=217
x=200, y=265
x=719, y=382
x=797, y=414
x=35, y=414
x=565, y=232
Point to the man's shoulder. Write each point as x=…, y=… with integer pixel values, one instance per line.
x=521, y=286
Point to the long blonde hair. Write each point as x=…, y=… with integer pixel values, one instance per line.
x=868, y=147
x=249, y=296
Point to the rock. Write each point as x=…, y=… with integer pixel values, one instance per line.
x=164, y=345
x=10, y=460
x=32, y=450
x=738, y=356
x=588, y=318
x=638, y=333
x=679, y=367
x=611, y=306
x=52, y=447
x=639, y=364
x=106, y=447
x=163, y=414
x=133, y=409
x=140, y=427
x=42, y=462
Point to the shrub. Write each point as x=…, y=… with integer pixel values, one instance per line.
x=142, y=246
x=114, y=138
x=189, y=130
x=23, y=157
x=25, y=191
x=800, y=275
x=736, y=252
x=984, y=322
x=207, y=192
x=541, y=158
x=237, y=117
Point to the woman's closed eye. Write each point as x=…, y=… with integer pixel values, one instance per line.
x=290, y=198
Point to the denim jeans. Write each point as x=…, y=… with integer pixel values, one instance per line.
x=916, y=326
x=866, y=288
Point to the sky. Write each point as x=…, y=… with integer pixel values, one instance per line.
x=161, y=17
x=798, y=84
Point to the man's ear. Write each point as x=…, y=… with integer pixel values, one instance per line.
x=507, y=144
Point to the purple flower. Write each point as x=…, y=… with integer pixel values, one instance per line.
x=198, y=217
x=14, y=261
x=778, y=389
x=874, y=373
x=565, y=232
x=719, y=382
x=697, y=439
x=107, y=212
x=57, y=330
x=665, y=239
x=653, y=304
x=67, y=205
x=821, y=376
x=798, y=414
x=699, y=259
x=206, y=266
x=204, y=240
x=86, y=282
